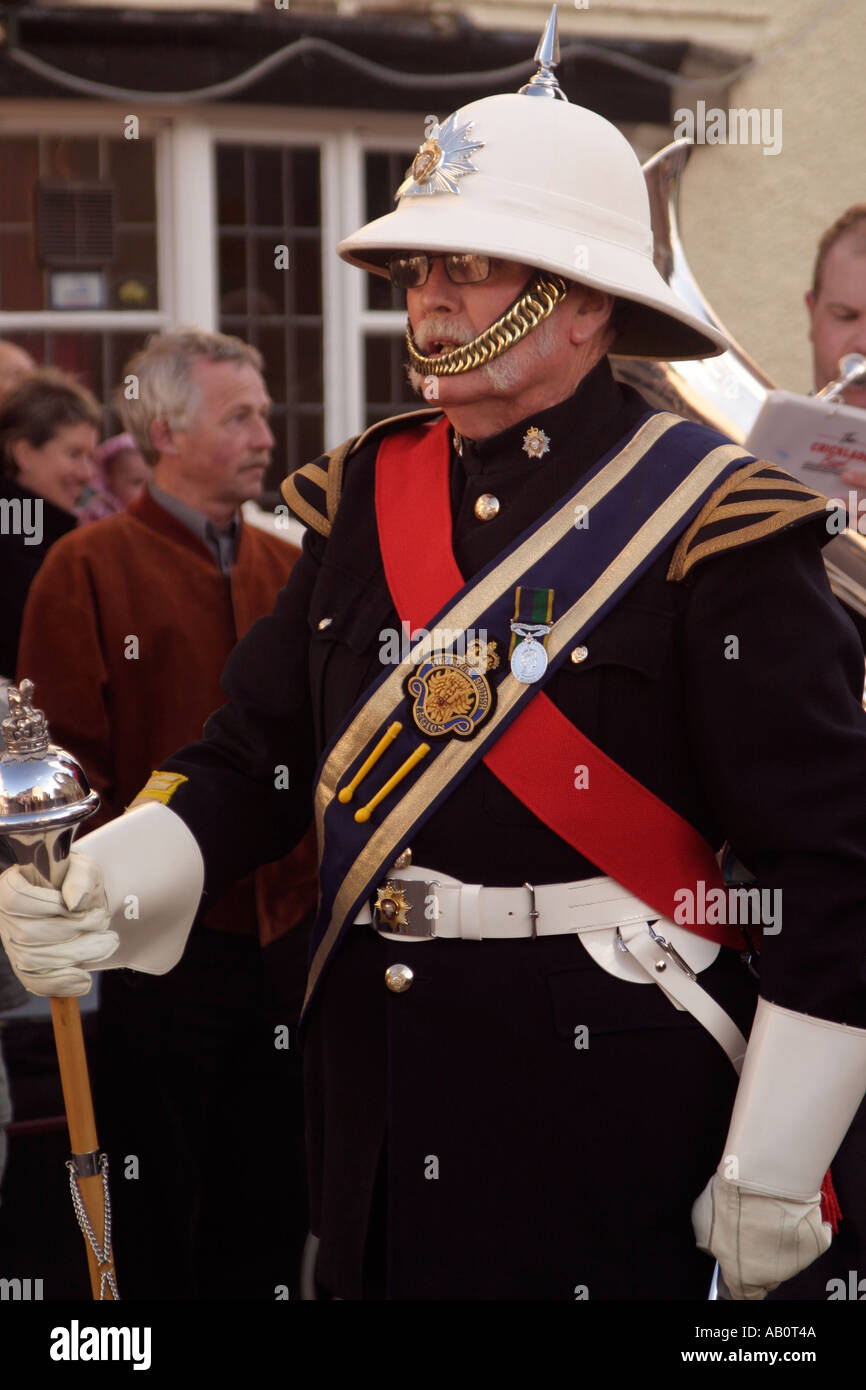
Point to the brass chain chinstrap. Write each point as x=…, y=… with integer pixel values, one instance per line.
x=526, y=313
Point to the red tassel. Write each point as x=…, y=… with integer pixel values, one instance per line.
x=830, y=1209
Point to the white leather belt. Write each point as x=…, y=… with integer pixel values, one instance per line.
x=434, y=905
x=625, y=936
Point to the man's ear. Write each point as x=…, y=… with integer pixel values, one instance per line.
x=162, y=436
x=810, y=305
x=21, y=451
x=591, y=310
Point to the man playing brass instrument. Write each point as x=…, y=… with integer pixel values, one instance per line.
x=647, y=663
x=836, y=301
x=837, y=327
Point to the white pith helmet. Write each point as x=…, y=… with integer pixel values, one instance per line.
x=550, y=184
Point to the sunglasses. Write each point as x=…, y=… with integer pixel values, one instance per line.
x=461, y=267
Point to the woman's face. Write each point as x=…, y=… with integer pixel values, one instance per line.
x=60, y=470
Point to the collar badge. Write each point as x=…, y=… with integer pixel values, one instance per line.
x=441, y=160
x=536, y=443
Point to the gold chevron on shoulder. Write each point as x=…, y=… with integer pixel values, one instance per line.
x=755, y=502
x=313, y=492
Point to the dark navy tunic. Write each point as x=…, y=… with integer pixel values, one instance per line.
x=499, y=1158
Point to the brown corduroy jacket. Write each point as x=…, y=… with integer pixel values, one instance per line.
x=126, y=630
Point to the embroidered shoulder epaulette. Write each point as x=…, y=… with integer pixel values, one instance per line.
x=753, y=503
x=313, y=492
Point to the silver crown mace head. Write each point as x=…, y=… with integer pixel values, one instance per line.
x=544, y=83
x=25, y=730
x=42, y=788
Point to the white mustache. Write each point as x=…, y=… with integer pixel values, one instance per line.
x=432, y=330
x=503, y=372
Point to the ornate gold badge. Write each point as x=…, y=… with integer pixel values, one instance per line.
x=392, y=905
x=425, y=161
x=483, y=654
x=441, y=160
x=449, y=694
x=536, y=443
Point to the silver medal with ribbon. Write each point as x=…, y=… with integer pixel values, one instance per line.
x=529, y=659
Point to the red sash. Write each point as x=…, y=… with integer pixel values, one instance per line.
x=615, y=823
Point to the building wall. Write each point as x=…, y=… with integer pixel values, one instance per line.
x=750, y=220
x=247, y=6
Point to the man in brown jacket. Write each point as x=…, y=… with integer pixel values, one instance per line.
x=125, y=635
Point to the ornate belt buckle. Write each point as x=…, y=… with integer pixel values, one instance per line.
x=398, y=900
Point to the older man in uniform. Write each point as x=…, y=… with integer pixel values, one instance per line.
x=621, y=652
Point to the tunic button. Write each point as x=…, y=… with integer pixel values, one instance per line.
x=579, y=654
x=399, y=978
x=487, y=507
x=323, y=623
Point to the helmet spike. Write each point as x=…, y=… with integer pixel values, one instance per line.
x=544, y=83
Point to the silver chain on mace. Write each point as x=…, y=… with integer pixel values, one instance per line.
x=102, y=1253
x=526, y=313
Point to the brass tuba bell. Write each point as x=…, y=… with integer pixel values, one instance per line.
x=724, y=392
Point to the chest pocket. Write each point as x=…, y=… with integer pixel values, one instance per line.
x=627, y=683
x=351, y=620
x=637, y=639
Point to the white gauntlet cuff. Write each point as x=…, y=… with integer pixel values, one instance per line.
x=153, y=874
x=802, y=1083
x=760, y=1215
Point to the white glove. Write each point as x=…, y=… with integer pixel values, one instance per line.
x=758, y=1240
x=129, y=898
x=802, y=1083
x=50, y=933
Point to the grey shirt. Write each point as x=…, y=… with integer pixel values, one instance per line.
x=221, y=541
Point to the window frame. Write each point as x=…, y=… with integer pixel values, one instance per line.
x=186, y=221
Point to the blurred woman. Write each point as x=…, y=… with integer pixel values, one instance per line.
x=49, y=428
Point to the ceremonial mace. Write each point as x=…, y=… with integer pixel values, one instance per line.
x=44, y=795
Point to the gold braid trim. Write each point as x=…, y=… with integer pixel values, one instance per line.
x=306, y=510
x=783, y=512
x=329, y=480
x=526, y=313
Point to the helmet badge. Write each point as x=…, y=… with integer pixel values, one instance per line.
x=441, y=160
x=445, y=154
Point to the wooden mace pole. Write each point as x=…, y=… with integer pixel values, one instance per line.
x=80, y=1119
